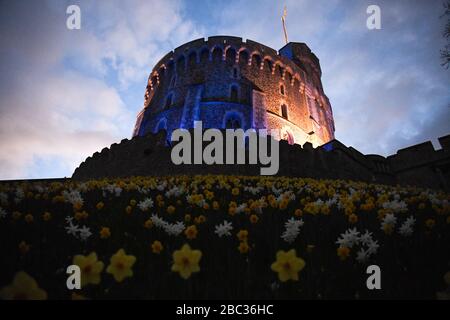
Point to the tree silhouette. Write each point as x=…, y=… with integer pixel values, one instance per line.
x=445, y=53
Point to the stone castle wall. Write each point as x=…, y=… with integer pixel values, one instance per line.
x=196, y=82
x=418, y=165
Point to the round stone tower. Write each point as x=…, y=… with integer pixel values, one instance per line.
x=226, y=82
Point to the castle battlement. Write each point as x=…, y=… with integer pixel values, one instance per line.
x=225, y=80
x=150, y=155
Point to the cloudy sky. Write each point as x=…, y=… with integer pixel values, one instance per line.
x=65, y=94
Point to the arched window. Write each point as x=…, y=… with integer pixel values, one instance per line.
x=284, y=111
x=233, y=121
x=243, y=57
x=217, y=54
x=282, y=89
x=192, y=59
x=169, y=101
x=181, y=64
x=204, y=55
x=280, y=71
x=256, y=60
x=231, y=56
x=234, y=94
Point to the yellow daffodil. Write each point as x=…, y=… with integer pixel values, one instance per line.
x=243, y=247
x=288, y=265
x=23, y=287
x=90, y=267
x=343, y=253
x=353, y=218
x=170, y=209
x=81, y=215
x=46, y=216
x=128, y=209
x=148, y=223
x=254, y=218
x=242, y=235
x=157, y=247
x=77, y=206
x=191, y=232
x=186, y=261
x=100, y=205
x=120, y=265
x=105, y=233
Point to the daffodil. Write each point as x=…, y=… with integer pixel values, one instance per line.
x=288, y=265
x=23, y=287
x=352, y=218
x=90, y=267
x=243, y=247
x=148, y=223
x=46, y=216
x=242, y=235
x=105, y=233
x=343, y=252
x=157, y=247
x=254, y=218
x=121, y=265
x=186, y=261
x=170, y=209
x=191, y=232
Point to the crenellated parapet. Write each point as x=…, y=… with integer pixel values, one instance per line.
x=150, y=155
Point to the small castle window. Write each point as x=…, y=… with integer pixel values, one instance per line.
x=234, y=94
x=282, y=89
x=284, y=111
x=235, y=73
x=168, y=101
x=268, y=65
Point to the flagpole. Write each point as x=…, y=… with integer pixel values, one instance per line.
x=283, y=19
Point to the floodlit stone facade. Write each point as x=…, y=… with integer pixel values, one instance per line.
x=228, y=83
